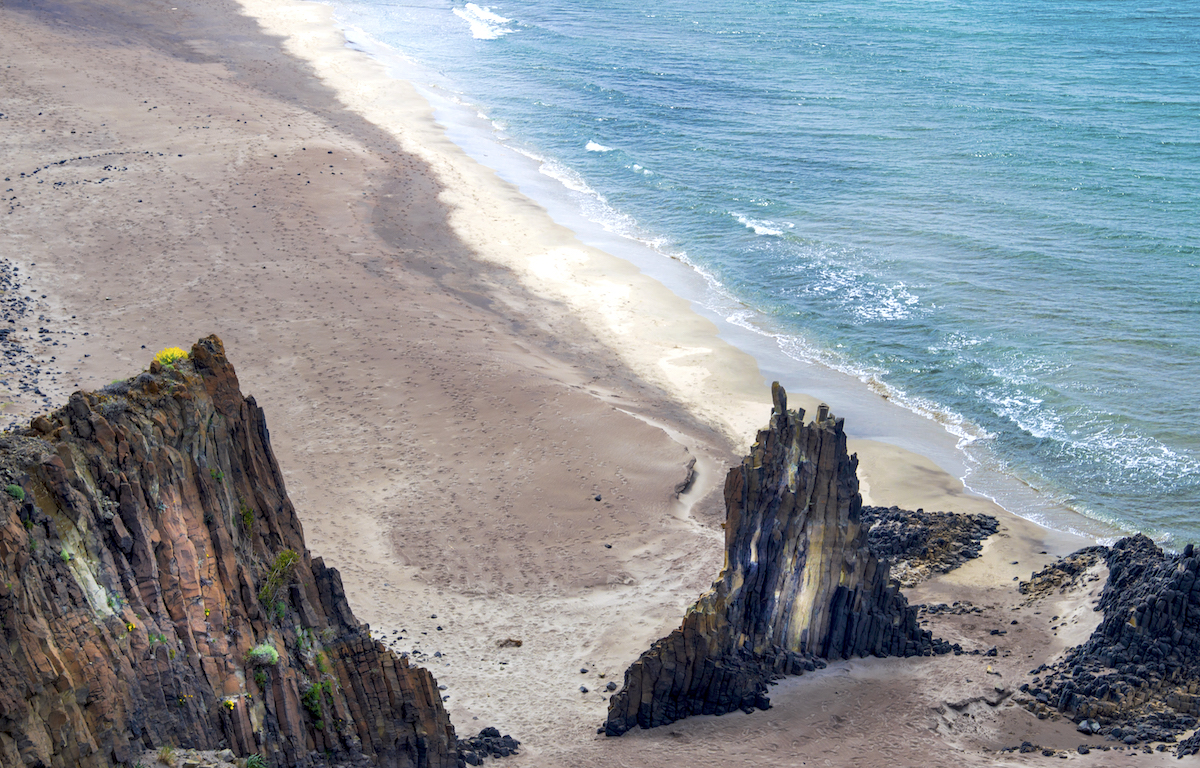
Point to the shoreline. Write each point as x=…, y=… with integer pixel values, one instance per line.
x=455, y=436
x=655, y=281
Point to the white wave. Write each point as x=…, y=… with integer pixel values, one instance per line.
x=485, y=25
x=761, y=227
x=594, y=147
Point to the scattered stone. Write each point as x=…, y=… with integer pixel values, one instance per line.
x=489, y=743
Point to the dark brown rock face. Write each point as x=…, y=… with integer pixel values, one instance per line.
x=799, y=585
x=144, y=544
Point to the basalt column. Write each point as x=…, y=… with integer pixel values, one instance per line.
x=799, y=585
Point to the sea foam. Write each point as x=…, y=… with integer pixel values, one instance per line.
x=485, y=25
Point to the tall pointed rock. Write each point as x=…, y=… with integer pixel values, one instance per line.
x=799, y=585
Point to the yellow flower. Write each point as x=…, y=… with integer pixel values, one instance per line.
x=170, y=355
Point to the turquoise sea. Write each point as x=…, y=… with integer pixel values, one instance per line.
x=988, y=212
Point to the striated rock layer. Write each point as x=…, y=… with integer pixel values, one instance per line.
x=799, y=585
x=144, y=540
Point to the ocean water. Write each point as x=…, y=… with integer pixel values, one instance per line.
x=988, y=212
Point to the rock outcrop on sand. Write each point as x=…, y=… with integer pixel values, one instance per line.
x=917, y=544
x=155, y=589
x=1137, y=678
x=799, y=585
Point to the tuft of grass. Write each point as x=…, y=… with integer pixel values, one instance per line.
x=322, y=663
x=16, y=491
x=217, y=475
x=256, y=761
x=65, y=555
x=260, y=677
x=279, y=574
x=170, y=356
x=247, y=516
x=166, y=754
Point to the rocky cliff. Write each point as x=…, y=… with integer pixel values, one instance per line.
x=799, y=585
x=155, y=589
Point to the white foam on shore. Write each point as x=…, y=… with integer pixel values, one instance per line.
x=594, y=147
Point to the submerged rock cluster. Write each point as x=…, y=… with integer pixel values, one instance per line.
x=155, y=590
x=800, y=584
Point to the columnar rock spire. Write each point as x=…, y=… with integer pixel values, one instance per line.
x=799, y=584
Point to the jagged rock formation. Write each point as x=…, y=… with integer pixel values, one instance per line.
x=917, y=544
x=799, y=585
x=144, y=535
x=1137, y=678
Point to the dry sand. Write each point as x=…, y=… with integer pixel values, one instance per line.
x=481, y=420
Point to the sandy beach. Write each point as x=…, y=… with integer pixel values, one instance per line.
x=482, y=421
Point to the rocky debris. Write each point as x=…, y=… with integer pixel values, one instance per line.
x=147, y=547
x=1189, y=746
x=190, y=758
x=958, y=608
x=489, y=743
x=29, y=364
x=1062, y=575
x=800, y=585
x=1138, y=675
x=918, y=544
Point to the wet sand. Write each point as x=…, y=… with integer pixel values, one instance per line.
x=482, y=421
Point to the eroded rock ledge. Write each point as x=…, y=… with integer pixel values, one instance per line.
x=799, y=585
x=138, y=531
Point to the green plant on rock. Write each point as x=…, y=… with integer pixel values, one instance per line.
x=16, y=491
x=256, y=761
x=217, y=475
x=65, y=555
x=260, y=677
x=263, y=655
x=247, y=516
x=313, y=700
x=278, y=575
x=322, y=663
